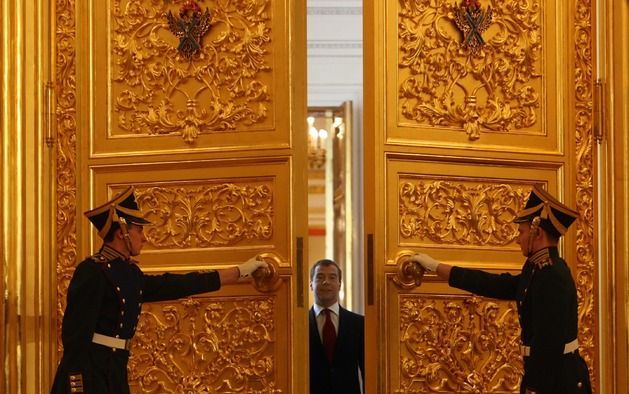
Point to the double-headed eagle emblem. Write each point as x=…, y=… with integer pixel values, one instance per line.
x=190, y=27
x=472, y=21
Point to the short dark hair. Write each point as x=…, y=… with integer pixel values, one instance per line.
x=325, y=263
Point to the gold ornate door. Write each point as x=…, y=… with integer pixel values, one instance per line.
x=467, y=105
x=213, y=139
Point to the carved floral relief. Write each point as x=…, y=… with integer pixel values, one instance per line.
x=66, y=156
x=494, y=87
x=586, y=273
x=458, y=345
x=206, y=346
x=225, y=86
x=459, y=212
x=202, y=216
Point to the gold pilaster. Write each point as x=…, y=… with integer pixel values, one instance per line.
x=26, y=282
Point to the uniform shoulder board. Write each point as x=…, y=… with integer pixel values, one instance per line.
x=99, y=258
x=541, y=259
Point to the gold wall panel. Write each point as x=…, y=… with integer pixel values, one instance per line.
x=205, y=211
x=441, y=93
x=460, y=211
x=226, y=95
x=210, y=345
x=455, y=344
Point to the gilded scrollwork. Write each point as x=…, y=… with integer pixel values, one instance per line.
x=586, y=271
x=223, y=87
x=458, y=345
x=441, y=84
x=209, y=215
x=65, y=66
x=459, y=212
x=206, y=346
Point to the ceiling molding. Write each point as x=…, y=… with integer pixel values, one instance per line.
x=335, y=11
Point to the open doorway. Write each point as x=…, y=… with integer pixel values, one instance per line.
x=335, y=85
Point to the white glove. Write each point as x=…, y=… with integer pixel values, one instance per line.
x=247, y=268
x=426, y=261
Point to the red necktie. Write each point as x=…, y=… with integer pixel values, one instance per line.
x=329, y=336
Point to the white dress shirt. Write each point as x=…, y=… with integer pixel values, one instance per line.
x=334, y=316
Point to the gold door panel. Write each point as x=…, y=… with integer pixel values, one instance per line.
x=227, y=96
x=507, y=97
x=214, y=144
x=227, y=342
x=456, y=134
x=460, y=212
x=448, y=342
x=208, y=211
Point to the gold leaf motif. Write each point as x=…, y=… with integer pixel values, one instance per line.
x=202, y=216
x=66, y=151
x=225, y=85
x=586, y=275
x=498, y=89
x=462, y=213
x=458, y=345
x=205, y=346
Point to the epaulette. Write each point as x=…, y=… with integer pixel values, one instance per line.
x=541, y=259
x=100, y=258
x=106, y=254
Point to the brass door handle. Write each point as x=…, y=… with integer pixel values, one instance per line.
x=409, y=273
x=267, y=280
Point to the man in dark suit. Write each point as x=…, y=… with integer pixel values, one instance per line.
x=337, y=351
x=105, y=299
x=546, y=298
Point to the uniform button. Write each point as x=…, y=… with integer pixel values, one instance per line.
x=118, y=289
x=124, y=301
x=108, y=265
x=121, y=325
x=140, y=292
x=117, y=336
x=579, y=385
x=121, y=313
x=113, y=349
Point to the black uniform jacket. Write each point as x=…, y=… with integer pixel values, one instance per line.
x=349, y=356
x=547, y=306
x=105, y=296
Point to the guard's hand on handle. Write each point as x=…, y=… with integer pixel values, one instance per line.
x=247, y=268
x=426, y=261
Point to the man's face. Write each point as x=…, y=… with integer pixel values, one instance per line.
x=137, y=238
x=523, y=237
x=326, y=285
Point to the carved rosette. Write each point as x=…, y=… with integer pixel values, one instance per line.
x=203, y=216
x=223, y=87
x=586, y=272
x=458, y=345
x=459, y=213
x=65, y=67
x=441, y=84
x=205, y=346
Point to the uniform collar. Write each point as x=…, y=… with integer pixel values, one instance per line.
x=111, y=253
x=544, y=256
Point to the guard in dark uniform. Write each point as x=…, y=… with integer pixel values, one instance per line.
x=105, y=299
x=546, y=298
